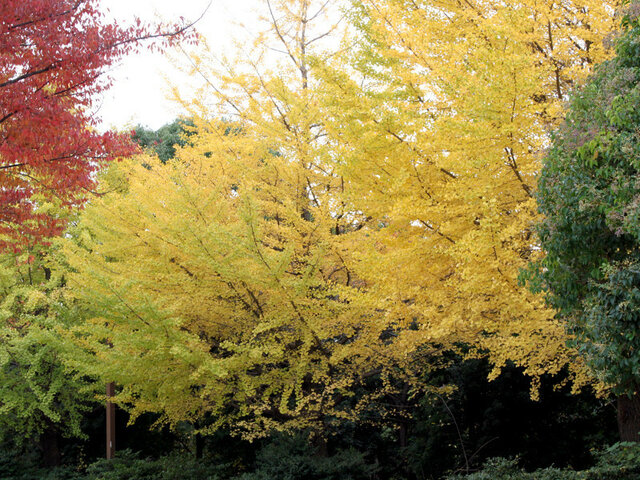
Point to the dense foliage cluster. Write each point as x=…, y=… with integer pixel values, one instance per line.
x=54, y=56
x=305, y=243
x=589, y=195
x=38, y=393
x=315, y=275
x=619, y=462
x=164, y=141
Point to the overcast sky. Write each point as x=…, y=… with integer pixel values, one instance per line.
x=139, y=94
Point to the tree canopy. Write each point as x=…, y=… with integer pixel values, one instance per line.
x=333, y=241
x=54, y=57
x=439, y=115
x=259, y=322
x=348, y=217
x=588, y=194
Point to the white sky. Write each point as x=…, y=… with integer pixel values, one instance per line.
x=139, y=94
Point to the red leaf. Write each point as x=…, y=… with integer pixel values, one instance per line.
x=52, y=69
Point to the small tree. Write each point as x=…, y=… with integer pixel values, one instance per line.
x=40, y=399
x=589, y=192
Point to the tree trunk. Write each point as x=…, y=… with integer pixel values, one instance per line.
x=111, y=422
x=402, y=405
x=320, y=445
x=50, y=449
x=199, y=440
x=629, y=418
x=402, y=434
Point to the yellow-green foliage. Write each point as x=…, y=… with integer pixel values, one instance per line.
x=212, y=291
x=221, y=282
x=37, y=391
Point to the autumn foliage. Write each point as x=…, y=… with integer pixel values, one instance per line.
x=259, y=323
x=345, y=220
x=54, y=54
x=340, y=215
x=440, y=135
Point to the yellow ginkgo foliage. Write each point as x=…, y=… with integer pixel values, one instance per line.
x=338, y=217
x=211, y=290
x=220, y=284
x=440, y=112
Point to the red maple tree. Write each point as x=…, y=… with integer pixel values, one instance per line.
x=54, y=56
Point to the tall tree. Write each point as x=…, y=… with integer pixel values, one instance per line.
x=164, y=140
x=54, y=57
x=354, y=215
x=588, y=193
x=239, y=302
x=439, y=112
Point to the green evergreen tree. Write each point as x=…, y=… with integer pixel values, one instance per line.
x=589, y=192
x=163, y=141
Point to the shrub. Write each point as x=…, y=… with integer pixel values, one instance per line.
x=292, y=458
x=128, y=465
x=619, y=462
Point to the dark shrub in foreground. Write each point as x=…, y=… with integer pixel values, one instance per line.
x=619, y=462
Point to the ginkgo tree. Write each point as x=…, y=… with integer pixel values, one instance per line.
x=220, y=284
x=440, y=113
x=41, y=400
x=340, y=216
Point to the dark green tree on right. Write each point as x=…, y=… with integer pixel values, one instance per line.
x=589, y=193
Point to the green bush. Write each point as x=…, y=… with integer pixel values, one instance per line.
x=619, y=462
x=128, y=465
x=622, y=459
x=23, y=465
x=292, y=458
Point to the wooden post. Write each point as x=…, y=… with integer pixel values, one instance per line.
x=111, y=422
